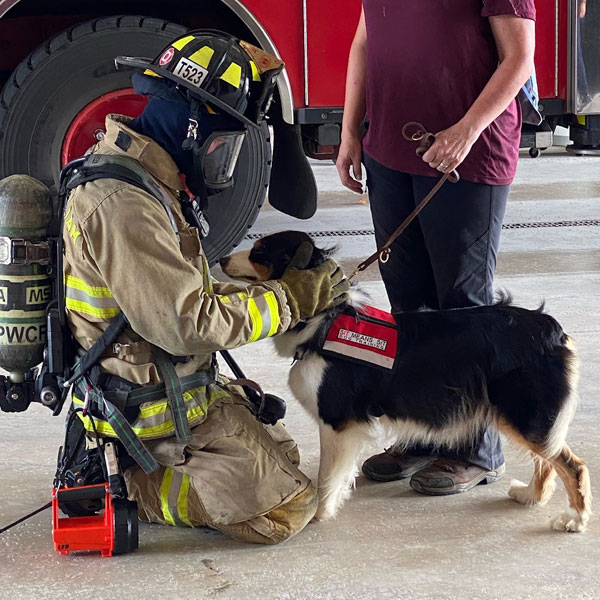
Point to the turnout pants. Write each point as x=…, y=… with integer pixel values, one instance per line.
x=236, y=475
x=445, y=259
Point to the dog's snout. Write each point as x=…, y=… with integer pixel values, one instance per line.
x=224, y=261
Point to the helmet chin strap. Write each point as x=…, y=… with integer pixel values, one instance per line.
x=193, y=208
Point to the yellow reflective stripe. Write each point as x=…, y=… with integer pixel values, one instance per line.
x=165, y=488
x=274, y=311
x=208, y=286
x=182, y=500
x=202, y=57
x=91, y=290
x=174, y=489
x=88, y=309
x=151, y=73
x=255, y=73
x=183, y=42
x=264, y=312
x=256, y=320
x=159, y=407
x=92, y=300
x=235, y=297
x=233, y=75
x=156, y=409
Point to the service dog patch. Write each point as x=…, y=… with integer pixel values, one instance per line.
x=369, y=336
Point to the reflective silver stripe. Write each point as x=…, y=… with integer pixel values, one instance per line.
x=363, y=354
x=154, y=420
x=265, y=314
x=104, y=302
x=177, y=499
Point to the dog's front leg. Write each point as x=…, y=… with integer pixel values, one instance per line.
x=337, y=468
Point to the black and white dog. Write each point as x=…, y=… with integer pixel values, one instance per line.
x=457, y=372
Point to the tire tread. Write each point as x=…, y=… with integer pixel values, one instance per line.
x=258, y=183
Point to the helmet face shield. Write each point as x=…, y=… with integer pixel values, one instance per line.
x=219, y=155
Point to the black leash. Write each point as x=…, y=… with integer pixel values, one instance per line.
x=28, y=516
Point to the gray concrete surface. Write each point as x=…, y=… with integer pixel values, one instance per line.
x=388, y=542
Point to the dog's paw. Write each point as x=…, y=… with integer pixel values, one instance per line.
x=521, y=492
x=570, y=521
x=324, y=513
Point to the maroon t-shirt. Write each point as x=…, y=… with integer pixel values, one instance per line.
x=427, y=61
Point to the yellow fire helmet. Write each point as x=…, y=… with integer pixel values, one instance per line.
x=229, y=75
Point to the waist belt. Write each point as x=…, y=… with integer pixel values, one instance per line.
x=123, y=399
x=111, y=403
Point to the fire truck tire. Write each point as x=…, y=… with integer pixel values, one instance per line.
x=534, y=152
x=58, y=79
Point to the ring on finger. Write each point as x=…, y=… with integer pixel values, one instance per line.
x=442, y=165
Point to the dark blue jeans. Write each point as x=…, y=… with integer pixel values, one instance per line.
x=445, y=259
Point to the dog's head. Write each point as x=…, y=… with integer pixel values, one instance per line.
x=272, y=255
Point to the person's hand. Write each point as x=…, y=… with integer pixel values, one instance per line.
x=450, y=148
x=350, y=155
x=582, y=8
x=310, y=291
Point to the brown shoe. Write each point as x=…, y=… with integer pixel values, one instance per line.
x=452, y=476
x=389, y=466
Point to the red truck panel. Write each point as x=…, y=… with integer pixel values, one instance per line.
x=331, y=27
x=284, y=24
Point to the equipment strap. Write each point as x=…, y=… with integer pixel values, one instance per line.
x=93, y=355
x=121, y=168
x=134, y=446
x=111, y=404
x=152, y=393
x=174, y=392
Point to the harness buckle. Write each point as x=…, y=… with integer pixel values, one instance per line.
x=119, y=348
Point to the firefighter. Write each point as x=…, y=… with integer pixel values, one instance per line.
x=202, y=456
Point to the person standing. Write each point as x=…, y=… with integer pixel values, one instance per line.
x=456, y=67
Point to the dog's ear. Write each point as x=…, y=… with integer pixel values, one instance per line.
x=301, y=259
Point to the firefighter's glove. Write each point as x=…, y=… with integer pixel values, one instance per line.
x=310, y=291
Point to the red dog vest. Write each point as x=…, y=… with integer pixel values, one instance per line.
x=370, y=337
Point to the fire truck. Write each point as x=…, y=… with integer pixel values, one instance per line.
x=57, y=65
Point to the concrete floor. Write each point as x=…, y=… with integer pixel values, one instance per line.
x=388, y=542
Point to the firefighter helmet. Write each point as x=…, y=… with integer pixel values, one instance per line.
x=228, y=74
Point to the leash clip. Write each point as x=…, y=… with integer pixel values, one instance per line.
x=86, y=401
x=384, y=255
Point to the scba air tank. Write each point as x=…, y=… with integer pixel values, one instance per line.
x=25, y=285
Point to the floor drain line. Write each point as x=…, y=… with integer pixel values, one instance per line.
x=361, y=232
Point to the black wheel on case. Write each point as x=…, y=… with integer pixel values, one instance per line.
x=534, y=152
x=125, y=526
x=52, y=109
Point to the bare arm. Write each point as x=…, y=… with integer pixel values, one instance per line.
x=350, y=153
x=515, y=41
